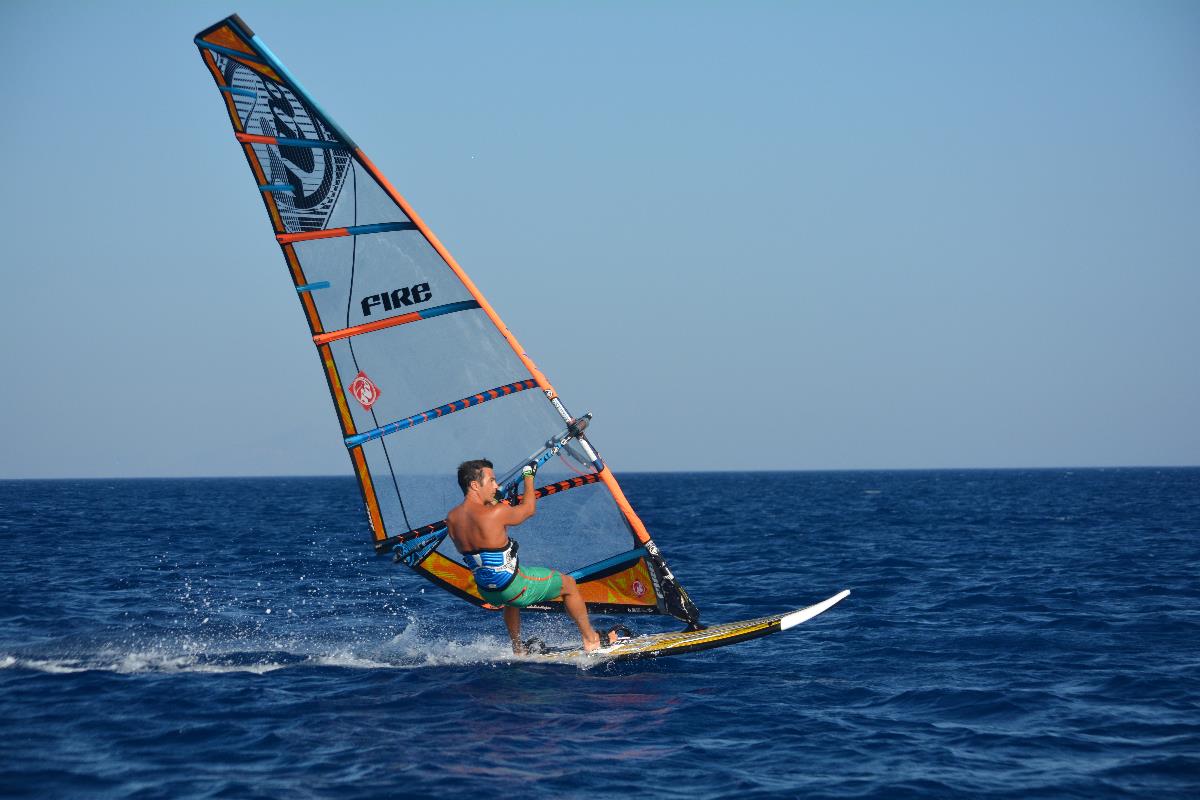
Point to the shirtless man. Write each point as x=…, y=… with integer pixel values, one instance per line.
x=478, y=528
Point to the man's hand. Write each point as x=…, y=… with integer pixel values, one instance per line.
x=525, y=509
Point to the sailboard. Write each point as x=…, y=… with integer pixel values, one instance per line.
x=422, y=372
x=676, y=643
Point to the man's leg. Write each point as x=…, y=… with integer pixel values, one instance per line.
x=578, y=611
x=512, y=619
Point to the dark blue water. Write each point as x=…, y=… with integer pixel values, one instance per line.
x=1011, y=634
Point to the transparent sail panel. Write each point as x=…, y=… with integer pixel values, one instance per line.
x=415, y=367
x=424, y=459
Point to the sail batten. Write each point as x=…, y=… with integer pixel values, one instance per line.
x=352, y=230
x=284, y=141
x=403, y=319
x=435, y=413
x=346, y=231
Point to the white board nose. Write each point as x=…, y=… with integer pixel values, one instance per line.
x=796, y=617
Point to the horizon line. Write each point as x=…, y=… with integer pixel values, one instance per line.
x=350, y=476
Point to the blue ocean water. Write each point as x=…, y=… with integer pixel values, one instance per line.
x=1011, y=634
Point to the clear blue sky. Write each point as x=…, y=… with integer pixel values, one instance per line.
x=795, y=235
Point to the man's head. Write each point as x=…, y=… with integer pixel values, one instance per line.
x=472, y=472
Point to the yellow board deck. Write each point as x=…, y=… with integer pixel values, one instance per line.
x=676, y=643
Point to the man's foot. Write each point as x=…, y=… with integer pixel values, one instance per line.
x=615, y=634
x=607, y=638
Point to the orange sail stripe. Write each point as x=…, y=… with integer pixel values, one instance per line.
x=230, y=108
x=452, y=573
x=306, y=299
x=335, y=389
x=310, y=310
x=255, y=138
x=621, y=588
x=304, y=236
x=261, y=178
x=368, y=491
x=258, y=67
x=333, y=336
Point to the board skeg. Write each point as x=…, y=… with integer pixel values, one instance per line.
x=657, y=645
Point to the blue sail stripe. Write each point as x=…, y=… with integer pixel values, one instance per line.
x=309, y=143
x=276, y=187
x=380, y=227
x=449, y=308
x=238, y=91
x=414, y=551
x=441, y=411
x=308, y=287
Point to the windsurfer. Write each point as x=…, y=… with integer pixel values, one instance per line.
x=479, y=529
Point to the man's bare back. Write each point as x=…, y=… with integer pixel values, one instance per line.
x=482, y=522
x=479, y=529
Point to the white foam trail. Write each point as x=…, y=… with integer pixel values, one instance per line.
x=414, y=647
x=154, y=661
x=54, y=667
x=348, y=660
x=257, y=669
x=132, y=664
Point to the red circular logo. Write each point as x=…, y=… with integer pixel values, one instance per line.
x=639, y=588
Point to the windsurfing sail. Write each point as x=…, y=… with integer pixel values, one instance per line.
x=422, y=372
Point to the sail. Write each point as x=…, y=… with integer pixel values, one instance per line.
x=422, y=372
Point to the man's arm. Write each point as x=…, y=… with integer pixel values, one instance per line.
x=515, y=515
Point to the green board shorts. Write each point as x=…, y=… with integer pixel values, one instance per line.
x=532, y=585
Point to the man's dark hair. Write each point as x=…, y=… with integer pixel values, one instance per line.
x=471, y=471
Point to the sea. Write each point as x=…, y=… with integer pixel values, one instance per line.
x=1010, y=634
